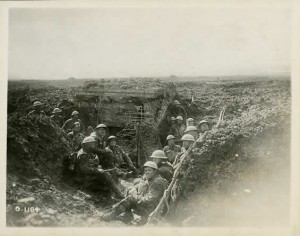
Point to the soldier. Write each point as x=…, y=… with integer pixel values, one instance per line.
x=89, y=131
x=165, y=168
x=56, y=117
x=173, y=121
x=187, y=141
x=192, y=130
x=143, y=198
x=174, y=132
x=177, y=110
x=89, y=172
x=181, y=127
x=190, y=122
x=37, y=109
x=171, y=150
x=203, y=128
x=100, y=136
x=119, y=158
x=76, y=137
x=70, y=122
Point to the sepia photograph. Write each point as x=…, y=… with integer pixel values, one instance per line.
x=160, y=117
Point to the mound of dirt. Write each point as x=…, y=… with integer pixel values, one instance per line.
x=243, y=151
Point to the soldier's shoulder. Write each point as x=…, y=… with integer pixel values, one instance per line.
x=177, y=146
x=159, y=181
x=81, y=152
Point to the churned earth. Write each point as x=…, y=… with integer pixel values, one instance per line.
x=240, y=177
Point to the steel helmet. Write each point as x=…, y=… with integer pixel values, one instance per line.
x=173, y=118
x=176, y=102
x=37, y=103
x=56, y=110
x=190, y=119
x=179, y=118
x=101, y=126
x=190, y=128
x=159, y=154
x=170, y=137
x=202, y=122
x=76, y=123
x=151, y=164
x=88, y=139
x=111, y=137
x=188, y=137
x=75, y=113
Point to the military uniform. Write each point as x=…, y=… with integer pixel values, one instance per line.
x=120, y=159
x=86, y=170
x=171, y=152
x=174, y=131
x=165, y=169
x=76, y=139
x=58, y=120
x=149, y=193
x=68, y=125
x=181, y=128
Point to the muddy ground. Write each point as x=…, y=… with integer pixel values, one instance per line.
x=240, y=178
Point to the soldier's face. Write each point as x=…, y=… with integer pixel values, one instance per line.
x=101, y=132
x=157, y=160
x=75, y=117
x=191, y=123
x=113, y=143
x=179, y=122
x=76, y=128
x=204, y=127
x=171, y=141
x=193, y=133
x=187, y=144
x=149, y=172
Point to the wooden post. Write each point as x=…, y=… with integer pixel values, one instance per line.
x=137, y=144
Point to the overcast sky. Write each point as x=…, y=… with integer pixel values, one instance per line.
x=115, y=42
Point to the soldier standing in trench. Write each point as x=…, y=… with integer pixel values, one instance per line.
x=165, y=168
x=100, y=135
x=70, y=122
x=56, y=117
x=142, y=198
x=192, y=130
x=88, y=171
x=180, y=125
x=187, y=141
x=171, y=150
x=202, y=128
x=75, y=137
x=37, y=110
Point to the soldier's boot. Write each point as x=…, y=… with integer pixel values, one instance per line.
x=112, y=215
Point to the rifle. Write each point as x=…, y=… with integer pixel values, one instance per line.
x=153, y=217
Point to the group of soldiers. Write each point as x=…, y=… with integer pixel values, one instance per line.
x=99, y=160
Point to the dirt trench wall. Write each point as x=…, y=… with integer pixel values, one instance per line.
x=247, y=148
x=35, y=148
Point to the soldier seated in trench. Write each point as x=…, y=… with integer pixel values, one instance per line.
x=165, y=168
x=70, y=122
x=119, y=159
x=142, y=198
x=75, y=137
x=89, y=174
